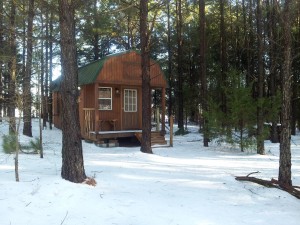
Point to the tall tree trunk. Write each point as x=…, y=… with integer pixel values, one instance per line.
x=249, y=43
x=43, y=77
x=46, y=66
x=237, y=40
x=12, y=70
x=204, y=96
x=180, y=66
x=27, y=99
x=170, y=76
x=260, y=82
x=296, y=76
x=96, y=34
x=23, y=35
x=245, y=44
x=223, y=56
x=40, y=117
x=72, y=158
x=146, y=90
x=296, y=68
x=1, y=61
x=50, y=67
x=285, y=174
x=273, y=74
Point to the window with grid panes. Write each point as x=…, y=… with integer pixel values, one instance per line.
x=130, y=100
x=105, y=98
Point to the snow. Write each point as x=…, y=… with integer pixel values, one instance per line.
x=183, y=185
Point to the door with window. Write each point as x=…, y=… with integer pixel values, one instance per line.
x=130, y=109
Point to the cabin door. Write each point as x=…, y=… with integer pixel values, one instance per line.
x=130, y=117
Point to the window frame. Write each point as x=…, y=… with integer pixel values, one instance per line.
x=134, y=103
x=99, y=99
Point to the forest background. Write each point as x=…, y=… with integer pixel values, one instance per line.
x=231, y=66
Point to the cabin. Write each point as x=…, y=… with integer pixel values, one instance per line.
x=110, y=101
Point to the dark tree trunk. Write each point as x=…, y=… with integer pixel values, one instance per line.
x=27, y=128
x=223, y=56
x=46, y=66
x=96, y=34
x=43, y=105
x=146, y=90
x=260, y=82
x=285, y=174
x=180, y=66
x=12, y=69
x=245, y=44
x=72, y=158
x=296, y=76
x=249, y=44
x=273, y=74
x=23, y=35
x=170, y=76
x=237, y=40
x=50, y=67
x=204, y=98
x=1, y=62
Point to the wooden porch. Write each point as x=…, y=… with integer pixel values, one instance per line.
x=92, y=132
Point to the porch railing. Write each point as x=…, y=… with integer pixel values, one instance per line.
x=89, y=122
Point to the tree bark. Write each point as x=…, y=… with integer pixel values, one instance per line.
x=223, y=56
x=13, y=70
x=1, y=61
x=285, y=174
x=170, y=76
x=46, y=66
x=72, y=158
x=146, y=90
x=260, y=82
x=27, y=99
x=50, y=68
x=180, y=66
x=204, y=100
x=273, y=74
x=96, y=49
x=43, y=77
x=249, y=39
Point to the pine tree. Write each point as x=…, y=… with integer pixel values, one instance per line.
x=285, y=164
x=72, y=158
x=146, y=90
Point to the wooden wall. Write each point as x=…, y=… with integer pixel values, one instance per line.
x=126, y=69
x=56, y=110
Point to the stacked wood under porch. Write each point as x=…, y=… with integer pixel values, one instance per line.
x=91, y=132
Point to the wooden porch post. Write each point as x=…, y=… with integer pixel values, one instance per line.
x=163, y=110
x=96, y=117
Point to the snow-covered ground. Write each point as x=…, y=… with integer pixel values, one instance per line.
x=184, y=185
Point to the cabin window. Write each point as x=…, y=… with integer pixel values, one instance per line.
x=130, y=100
x=105, y=98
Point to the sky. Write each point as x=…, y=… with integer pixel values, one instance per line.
x=182, y=185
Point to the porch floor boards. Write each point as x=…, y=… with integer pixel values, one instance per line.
x=156, y=138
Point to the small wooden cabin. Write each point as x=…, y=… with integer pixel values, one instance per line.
x=110, y=102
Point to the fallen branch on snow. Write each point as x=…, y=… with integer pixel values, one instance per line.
x=273, y=183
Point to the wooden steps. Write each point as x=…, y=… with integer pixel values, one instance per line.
x=156, y=138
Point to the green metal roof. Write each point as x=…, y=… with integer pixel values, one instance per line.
x=88, y=73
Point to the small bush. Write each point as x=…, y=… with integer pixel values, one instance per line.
x=9, y=143
x=35, y=145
